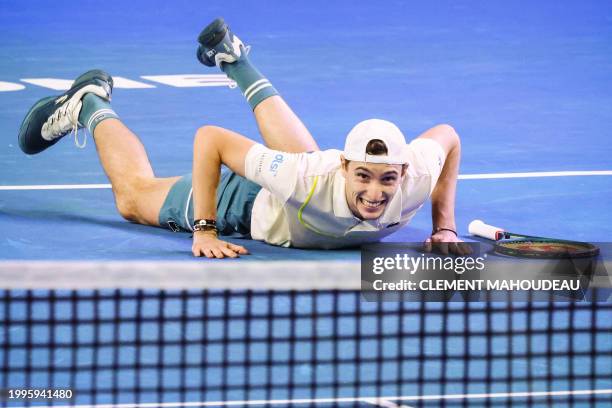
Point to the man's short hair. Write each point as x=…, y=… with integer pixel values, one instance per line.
x=377, y=147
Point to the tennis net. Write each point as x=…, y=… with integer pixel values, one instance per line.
x=246, y=346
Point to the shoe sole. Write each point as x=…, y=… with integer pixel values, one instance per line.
x=213, y=33
x=209, y=38
x=23, y=132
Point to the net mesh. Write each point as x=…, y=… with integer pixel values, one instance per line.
x=263, y=347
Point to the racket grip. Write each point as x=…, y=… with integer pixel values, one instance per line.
x=479, y=228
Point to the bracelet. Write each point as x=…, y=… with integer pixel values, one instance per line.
x=205, y=225
x=436, y=230
x=206, y=229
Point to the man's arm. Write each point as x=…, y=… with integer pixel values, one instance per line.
x=214, y=146
x=443, y=195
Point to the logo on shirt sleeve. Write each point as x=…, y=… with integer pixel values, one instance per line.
x=276, y=162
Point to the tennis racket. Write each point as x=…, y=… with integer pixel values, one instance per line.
x=508, y=243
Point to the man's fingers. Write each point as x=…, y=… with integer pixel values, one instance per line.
x=461, y=248
x=443, y=247
x=427, y=245
x=217, y=252
x=238, y=249
x=453, y=248
x=198, y=251
x=229, y=252
x=217, y=249
x=465, y=248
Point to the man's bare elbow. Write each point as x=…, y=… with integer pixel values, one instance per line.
x=450, y=132
x=449, y=137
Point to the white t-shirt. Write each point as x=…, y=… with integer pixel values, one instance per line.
x=302, y=202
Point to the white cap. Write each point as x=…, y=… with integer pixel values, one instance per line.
x=359, y=137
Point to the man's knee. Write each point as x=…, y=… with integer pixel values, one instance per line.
x=128, y=194
x=126, y=206
x=206, y=132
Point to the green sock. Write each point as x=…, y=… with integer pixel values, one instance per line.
x=252, y=83
x=94, y=111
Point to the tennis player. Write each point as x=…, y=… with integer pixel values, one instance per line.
x=287, y=192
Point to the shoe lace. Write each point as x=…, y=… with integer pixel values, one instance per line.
x=75, y=130
x=74, y=121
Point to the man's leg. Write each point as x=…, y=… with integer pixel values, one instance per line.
x=280, y=127
x=139, y=195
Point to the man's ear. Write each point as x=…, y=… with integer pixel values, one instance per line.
x=344, y=165
x=404, y=169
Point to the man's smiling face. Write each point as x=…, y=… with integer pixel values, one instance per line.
x=370, y=187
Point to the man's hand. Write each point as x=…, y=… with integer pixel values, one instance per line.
x=206, y=243
x=446, y=242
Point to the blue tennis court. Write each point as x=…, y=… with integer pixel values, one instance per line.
x=526, y=85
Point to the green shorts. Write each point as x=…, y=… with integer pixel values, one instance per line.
x=235, y=198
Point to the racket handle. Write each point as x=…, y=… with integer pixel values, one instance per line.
x=479, y=228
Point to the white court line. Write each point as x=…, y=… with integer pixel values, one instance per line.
x=482, y=176
x=534, y=174
x=338, y=400
x=56, y=187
